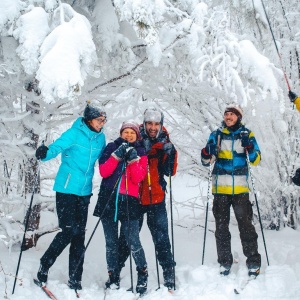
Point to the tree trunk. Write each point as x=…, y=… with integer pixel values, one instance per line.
x=32, y=185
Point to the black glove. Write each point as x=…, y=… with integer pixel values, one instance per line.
x=168, y=148
x=121, y=151
x=211, y=149
x=41, y=152
x=246, y=143
x=147, y=144
x=292, y=96
x=131, y=155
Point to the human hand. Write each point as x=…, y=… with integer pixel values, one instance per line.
x=132, y=155
x=41, y=152
x=120, y=152
x=292, y=96
x=168, y=148
x=246, y=143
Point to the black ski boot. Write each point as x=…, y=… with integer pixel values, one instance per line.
x=113, y=281
x=253, y=272
x=225, y=270
x=74, y=284
x=42, y=274
x=169, y=279
x=142, y=280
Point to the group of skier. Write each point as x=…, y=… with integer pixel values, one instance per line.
x=133, y=169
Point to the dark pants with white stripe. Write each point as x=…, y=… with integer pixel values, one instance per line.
x=242, y=208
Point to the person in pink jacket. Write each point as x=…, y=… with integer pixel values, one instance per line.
x=123, y=165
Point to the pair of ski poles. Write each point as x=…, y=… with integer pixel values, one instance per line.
x=256, y=201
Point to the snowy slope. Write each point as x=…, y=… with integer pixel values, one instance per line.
x=280, y=280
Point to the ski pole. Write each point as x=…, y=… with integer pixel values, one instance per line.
x=27, y=221
x=150, y=196
x=128, y=229
x=285, y=76
x=258, y=212
x=207, y=203
x=172, y=231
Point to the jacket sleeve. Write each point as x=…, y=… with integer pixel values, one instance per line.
x=205, y=159
x=297, y=103
x=107, y=163
x=64, y=142
x=254, y=153
x=138, y=169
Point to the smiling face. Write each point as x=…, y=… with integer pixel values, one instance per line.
x=230, y=118
x=97, y=123
x=152, y=128
x=129, y=135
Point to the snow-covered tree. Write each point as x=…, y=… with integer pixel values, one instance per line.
x=190, y=58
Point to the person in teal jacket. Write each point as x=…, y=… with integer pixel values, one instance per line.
x=80, y=147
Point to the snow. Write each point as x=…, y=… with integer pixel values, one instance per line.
x=280, y=280
x=68, y=55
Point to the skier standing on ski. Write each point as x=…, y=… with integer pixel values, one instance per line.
x=80, y=147
x=228, y=147
x=122, y=166
x=162, y=161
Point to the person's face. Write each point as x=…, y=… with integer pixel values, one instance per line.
x=97, y=123
x=230, y=118
x=129, y=135
x=152, y=128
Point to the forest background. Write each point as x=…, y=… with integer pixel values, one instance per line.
x=188, y=58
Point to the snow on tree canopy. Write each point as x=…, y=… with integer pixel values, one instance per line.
x=9, y=11
x=143, y=15
x=68, y=55
x=32, y=28
x=258, y=67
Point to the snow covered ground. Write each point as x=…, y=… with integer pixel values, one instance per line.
x=280, y=280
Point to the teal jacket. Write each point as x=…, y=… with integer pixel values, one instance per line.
x=80, y=147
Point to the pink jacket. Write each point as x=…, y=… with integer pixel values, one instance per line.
x=135, y=173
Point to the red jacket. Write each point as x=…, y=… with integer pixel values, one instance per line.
x=153, y=187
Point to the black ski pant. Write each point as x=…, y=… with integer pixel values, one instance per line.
x=242, y=208
x=157, y=221
x=72, y=212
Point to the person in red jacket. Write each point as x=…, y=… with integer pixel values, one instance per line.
x=122, y=166
x=162, y=161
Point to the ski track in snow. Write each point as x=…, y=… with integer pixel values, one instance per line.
x=280, y=280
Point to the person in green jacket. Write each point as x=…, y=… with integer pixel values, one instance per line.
x=80, y=147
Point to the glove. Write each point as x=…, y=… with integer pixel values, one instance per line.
x=211, y=149
x=132, y=156
x=292, y=96
x=168, y=148
x=120, y=153
x=41, y=152
x=147, y=144
x=246, y=143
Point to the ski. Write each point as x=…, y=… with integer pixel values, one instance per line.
x=243, y=285
x=45, y=289
x=77, y=294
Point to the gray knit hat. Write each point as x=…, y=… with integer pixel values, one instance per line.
x=153, y=115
